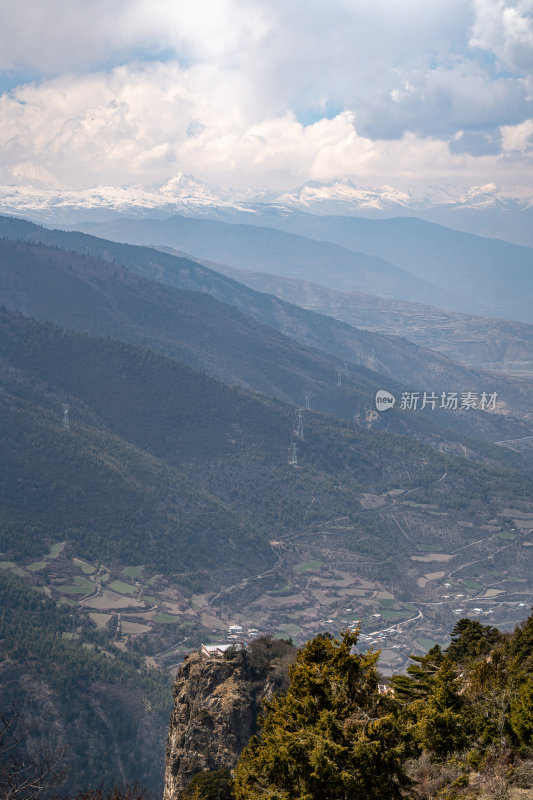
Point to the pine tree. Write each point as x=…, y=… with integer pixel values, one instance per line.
x=330, y=737
x=521, y=713
x=442, y=725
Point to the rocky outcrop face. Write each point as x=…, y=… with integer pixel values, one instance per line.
x=216, y=704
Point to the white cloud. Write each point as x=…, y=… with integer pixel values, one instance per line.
x=53, y=36
x=265, y=92
x=505, y=28
x=518, y=139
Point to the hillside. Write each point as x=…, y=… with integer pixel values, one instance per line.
x=476, y=342
x=472, y=274
x=77, y=695
x=91, y=295
x=166, y=468
x=50, y=284
x=269, y=250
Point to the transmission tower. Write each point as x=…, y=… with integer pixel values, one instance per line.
x=339, y=377
x=66, y=422
x=293, y=458
x=300, y=427
x=372, y=361
x=307, y=401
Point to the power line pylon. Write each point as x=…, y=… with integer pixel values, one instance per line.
x=293, y=457
x=300, y=427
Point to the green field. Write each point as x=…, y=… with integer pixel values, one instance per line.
x=86, y=568
x=123, y=588
x=133, y=572
x=56, y=549
x=7, y=564
x=392, y=616
x=471, y=584
x=36, y=566
x=387, y=603
x=79, y=586
x=166, y=619
x=506, y=535
x=148, y=598
x=308, y=565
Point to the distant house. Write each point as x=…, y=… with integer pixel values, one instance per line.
x=216, y=650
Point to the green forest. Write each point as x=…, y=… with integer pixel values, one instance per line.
x=62, y=678
x=166, y=466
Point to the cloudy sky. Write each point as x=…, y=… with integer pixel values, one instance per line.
x=267, y=92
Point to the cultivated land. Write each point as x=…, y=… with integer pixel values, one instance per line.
x=323, y=578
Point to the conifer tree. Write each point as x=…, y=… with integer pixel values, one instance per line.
x=330, y=737
x=443, y=726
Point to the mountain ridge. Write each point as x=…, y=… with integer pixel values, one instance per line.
x=101, y=298
x=487, y=210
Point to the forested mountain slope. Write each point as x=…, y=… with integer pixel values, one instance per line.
x=270, y=250
x=487, y=276
x=99, y=297
x=477, y=342
x=97, y=713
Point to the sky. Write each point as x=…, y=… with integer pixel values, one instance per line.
x=266, y=93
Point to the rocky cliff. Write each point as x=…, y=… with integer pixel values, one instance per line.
x=216, y=704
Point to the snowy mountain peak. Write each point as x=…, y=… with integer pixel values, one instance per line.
x=31, y=191
x=343, y=194
x=186, y=187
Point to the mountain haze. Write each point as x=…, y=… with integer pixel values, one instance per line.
x=101, y=298
x=270, y=250
x=468, y=273
x=477, y=342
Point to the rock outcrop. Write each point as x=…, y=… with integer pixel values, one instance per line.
x=216, y=704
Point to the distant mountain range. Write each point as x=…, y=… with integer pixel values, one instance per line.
x=486, y=210
x=477, y=342
x=406, y=259
x=181, y=308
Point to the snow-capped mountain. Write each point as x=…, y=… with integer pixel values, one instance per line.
x=344, y=195
x=488, y=210
x=181, y=194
